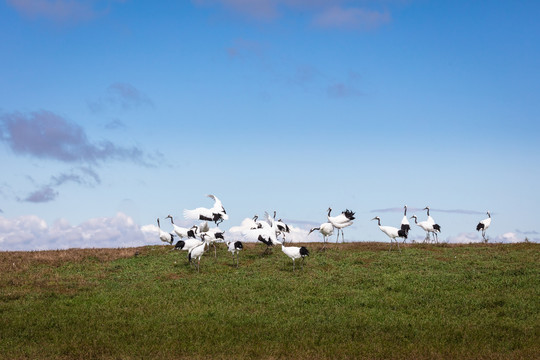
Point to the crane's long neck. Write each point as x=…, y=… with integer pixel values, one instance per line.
x=379, y=222
x=489, y=215
x=172, y=222
x=427, y=211
x=405, y=212
x=329, y=211
x=415, y=220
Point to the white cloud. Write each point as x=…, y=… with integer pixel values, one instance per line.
x=508, y=237
x=32, y=233
x=471, y=237
x=465, y=238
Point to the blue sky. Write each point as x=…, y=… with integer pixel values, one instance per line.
x=113, y=113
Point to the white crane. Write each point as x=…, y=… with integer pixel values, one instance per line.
x=295, y=252
x=425, y=225
x=196, y=253
x=282, y=227
x=183, y=232
x=214, y=235
x=405, y=226
x=254, y=223
x=216, y=214
x=326, y=229
x=234, y=247
x=266, y=233
x=391, y=232
x=341, y=221
x=187, y=244
x=436, y=227
x=483, y=225
x=165, y=236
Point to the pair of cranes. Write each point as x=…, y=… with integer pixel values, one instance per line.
x=335, y=222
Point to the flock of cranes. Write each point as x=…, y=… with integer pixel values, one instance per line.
x=197, y=239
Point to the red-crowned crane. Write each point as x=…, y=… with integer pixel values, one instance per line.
x=165, y=236
x=391, y=232
x=341, y=221
x=196, y=253
x=216, y=214
x=326, y=229
x=295, y=252
x=436, y=227
x=405, y=226
x=425, y=225
x=234, y=247
x=483, y=225
x=183, y=232
x=282, y=227
x=213, y=235
x=266, y=233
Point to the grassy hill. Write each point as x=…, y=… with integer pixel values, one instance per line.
x=351, y=301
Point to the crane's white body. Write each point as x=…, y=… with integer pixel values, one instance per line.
x=282, y=228
x=234, y=248
x=341, y=221
x=188, y=244
x=216, y=214
x=212, y=236
x=164, y=236
x=436, y=227
x=196, y=253
x=405, y=226
x=391, y=232
x=183, y=232
x=326, y=229
x=266, y=233
x=426, y=226
x=484, y=225
x=295, y=252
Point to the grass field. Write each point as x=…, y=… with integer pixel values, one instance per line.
x=354, y=300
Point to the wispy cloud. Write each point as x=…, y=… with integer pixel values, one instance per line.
x=342, y=90
x=84, y=176
x=44, y=194
x=243, y=47
x=530, y=232
x=323, y=13
x=257, y=9
x=115, y=125
x=57, y=10
x=46, y=135
x=351, y=18
x=63, y=11
x=121, y=96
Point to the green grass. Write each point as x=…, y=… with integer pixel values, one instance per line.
x=351, y=301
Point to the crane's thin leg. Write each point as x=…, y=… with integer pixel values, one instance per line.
x=293, y=266
x=215, y=250
x=303, y=258
x=397, y=242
